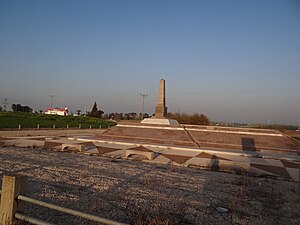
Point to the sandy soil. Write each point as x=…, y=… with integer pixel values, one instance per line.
x=50, y=132
x=292, y=133
x=139, y=193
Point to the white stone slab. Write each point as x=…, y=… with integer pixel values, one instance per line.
x=158, y=121
x=294, y=173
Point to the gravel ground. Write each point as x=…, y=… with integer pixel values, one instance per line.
x=140, y=193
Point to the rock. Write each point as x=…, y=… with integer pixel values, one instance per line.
x=222, y=210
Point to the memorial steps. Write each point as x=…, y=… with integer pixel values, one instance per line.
x=190, y=136
x=148, y=136
x=244, y=141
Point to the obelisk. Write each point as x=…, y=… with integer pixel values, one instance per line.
x=160, y=108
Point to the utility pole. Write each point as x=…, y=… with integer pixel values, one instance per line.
x=51, y=96
x=143, y=96
x=5, y=103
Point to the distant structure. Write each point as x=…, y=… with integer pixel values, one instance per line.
x=5, y=103
x=57, y=111
x=161, y=109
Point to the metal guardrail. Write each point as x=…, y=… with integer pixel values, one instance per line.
x=68, y=211
x=11, y=210
x=26, y=218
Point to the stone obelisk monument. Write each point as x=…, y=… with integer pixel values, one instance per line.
x=161, y=109
x=160, y=117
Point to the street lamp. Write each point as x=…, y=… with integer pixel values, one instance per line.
x=143, y=96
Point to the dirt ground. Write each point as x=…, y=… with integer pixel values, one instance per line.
x=50, y=132
x=140, y=193
x=292, y=133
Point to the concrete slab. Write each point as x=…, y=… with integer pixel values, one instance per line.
x=149, y=155
x=161, y=159
x=159, y=121
x=198, y=162
x=172, y=152
x=236, y=158
x=294, y=173
x=81, y=148
x=92, y=151
x=119, y=153
x=272, y=162
x=22, y=142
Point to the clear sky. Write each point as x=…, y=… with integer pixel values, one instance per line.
x=232, y=60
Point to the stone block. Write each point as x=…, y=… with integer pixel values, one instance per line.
x=149, y=155
x=80, y=148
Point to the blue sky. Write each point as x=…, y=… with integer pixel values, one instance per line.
x=232, y=60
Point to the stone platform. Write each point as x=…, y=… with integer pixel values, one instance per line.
x=258, y=152
x=283, y=166
x=241, y=139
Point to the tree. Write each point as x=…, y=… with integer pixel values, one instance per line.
x=14, y=107
x=0, y=109
x=100, y=113
x=20, y=108
x=196, y=118
x=95, y=112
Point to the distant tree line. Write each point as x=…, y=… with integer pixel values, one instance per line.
x=125, y=116
x=195, y=119
x=95, y=112
x=20, y=108
x=280, y=127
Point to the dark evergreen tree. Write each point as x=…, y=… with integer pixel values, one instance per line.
x=95, y=112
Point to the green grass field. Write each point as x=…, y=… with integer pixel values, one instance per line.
x=29, y=120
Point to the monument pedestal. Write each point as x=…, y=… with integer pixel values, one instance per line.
x=160, y=121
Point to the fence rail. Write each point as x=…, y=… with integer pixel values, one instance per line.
x=13, y=199
x=30, y=219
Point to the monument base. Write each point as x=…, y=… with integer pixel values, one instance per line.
x=160, y=121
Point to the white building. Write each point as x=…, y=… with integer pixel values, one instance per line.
x=57, y=111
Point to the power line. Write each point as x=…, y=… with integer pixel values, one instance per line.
x=51, y=96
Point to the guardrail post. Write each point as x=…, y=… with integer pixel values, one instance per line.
x=12, y=186
x=299, y=183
